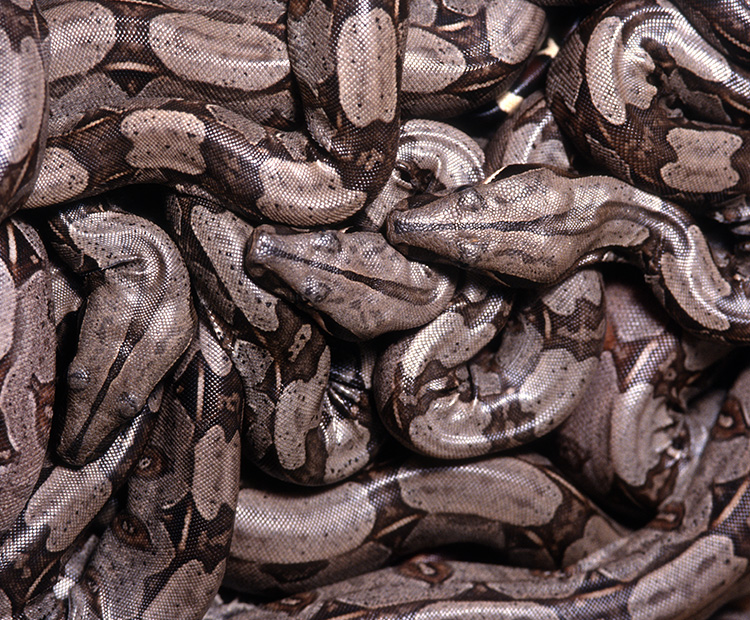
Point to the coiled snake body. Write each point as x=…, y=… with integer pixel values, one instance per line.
x=321, y=274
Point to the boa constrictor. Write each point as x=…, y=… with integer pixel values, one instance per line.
x=232, y=330
x=308, y=418
x=535, y=225
x=119, y=362
x=628, y=442
x=266, y=172
x=698, y=537
x=641, y=69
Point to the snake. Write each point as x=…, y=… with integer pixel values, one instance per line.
x=319, y=267
x=443, y=392
x=241, y=159
x=636, y=430
x=535, y=224
x=406, y=505
x=119, y=363
x=27, y=389
x=64, y=503
x=309, y=416
x=641, y=69
x=431, y=157
x=184, y=486
x=339, y=274
x=697, y=532
x=26, y=100
x=530, y=136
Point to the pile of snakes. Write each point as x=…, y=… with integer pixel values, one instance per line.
x=374, y=309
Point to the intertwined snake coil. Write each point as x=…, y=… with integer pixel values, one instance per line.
x=374, y=309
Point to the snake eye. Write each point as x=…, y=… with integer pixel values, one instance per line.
x=78, y=379
x=327, y=242
x=470, y=200
x=316, y=291
x=128, y=404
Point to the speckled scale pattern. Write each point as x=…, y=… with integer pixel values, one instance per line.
x=308, y=415
x=291, y=326
x=188, y=486
x=647, y=365
x=617, y=77
x=24, y=48
x=119, y=362
x=27, y=389
x=590, y=219
x=340, y=276
x=638, y=581
x=494, y=400
x=397, y=508
x=216, y=121
x=61, y=510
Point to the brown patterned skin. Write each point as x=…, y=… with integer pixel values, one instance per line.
x=188, y=486
x=724, y=24
x=122, y=89
x=286, y=543
x=432, y=157
x=24, y=75
x=496, y=227
x=182, y=140
x=151, y=50
x=60, y=510
x=699, y=535
x=27, y=364
x=130, y=262
x=280, y=137
x=443, y=392
x=569, y=2
x=529, y=136
x=308, y=416
x=635, y=435
x=644, y=96
x=339, y=277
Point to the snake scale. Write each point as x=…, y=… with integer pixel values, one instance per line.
x=426, y=309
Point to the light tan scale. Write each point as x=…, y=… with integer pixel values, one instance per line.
x=285, y=543
x=637, y=431
x=341, y=277
x=185, y=92
x=698, y=537
x=27, y=364
x=186, y=480
x=444, y=393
